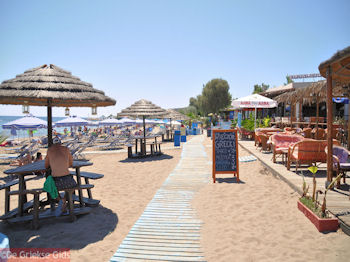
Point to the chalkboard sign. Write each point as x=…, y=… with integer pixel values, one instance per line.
x=225, y=153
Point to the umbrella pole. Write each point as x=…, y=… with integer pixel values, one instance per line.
x=255, y=120
x=144, y=136
x=49, y=122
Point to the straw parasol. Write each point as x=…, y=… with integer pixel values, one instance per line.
x=173, y=114
x=336, y=69
x=143, y=108
x=49, y=85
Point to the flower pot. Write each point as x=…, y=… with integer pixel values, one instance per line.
x=322, y=224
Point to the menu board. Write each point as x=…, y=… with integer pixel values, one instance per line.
x=225, y=152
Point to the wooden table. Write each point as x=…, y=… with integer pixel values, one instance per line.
x=142, y=141
x=29, y=169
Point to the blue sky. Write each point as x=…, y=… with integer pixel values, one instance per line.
x=164, y=51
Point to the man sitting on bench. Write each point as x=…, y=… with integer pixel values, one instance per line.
x=59, y=159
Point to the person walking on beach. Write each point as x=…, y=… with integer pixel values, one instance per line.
x=59, y=159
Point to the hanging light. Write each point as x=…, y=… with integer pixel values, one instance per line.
x=66, y=112
x=25, y=108
x=94, y=110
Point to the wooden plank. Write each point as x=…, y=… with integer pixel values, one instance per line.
x=48, y=214
x=168, y=229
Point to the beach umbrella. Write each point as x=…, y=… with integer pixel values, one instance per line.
x=254, y=101
x=126, y=120
x=173, y=114
x=50, y=86
x=175, y=123
x=72, y=121
x=93, y=123
x=27, y=122
x=110, y=122
x=139, y=121
x=145, y=109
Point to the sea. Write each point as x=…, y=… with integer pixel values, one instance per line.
x=24, y=133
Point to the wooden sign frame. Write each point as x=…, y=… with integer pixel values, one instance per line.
x=235, y=173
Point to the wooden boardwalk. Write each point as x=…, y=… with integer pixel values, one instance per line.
x=168, y=229
x=338, y=201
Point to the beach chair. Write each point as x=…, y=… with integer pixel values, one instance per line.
x=116, y=143
x=341, y=162
x=77, y=151
x=264, y=142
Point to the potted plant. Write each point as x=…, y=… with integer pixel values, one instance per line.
x=315, y=212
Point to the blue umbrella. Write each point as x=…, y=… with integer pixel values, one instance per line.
x=72, y=121
x=110, y=122
x=27, y=122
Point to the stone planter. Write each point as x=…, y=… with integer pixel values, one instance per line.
x=322, y=224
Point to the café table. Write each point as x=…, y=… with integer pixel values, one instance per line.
x=142, y=141
x=39, y=166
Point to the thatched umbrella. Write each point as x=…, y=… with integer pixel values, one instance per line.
x=143, y=108
x=336, y=69
x=49, y=85
x=173, y=114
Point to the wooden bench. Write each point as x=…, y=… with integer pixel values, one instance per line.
x=129, y=150
x=7, y=188
x=155, y=148
x=35, y=216
x=89, y=175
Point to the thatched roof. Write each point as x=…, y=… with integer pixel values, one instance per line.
x=308, y=94
x=142, y=108
x=35, y=86
x=340, y=65
x=173, y=114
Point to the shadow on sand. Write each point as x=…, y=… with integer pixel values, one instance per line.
x=229, y=180
x=60, y=233
x=146, y=159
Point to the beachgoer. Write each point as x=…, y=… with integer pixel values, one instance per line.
x=59, y=159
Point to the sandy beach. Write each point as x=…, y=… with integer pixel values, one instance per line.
x=256, y=220
x=125, y=190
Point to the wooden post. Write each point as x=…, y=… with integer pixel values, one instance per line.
x=49, y=122
x=143, y=145
x=318, y=110
x=300, y=111
x=291, y=114
x=349, y=126
x=329, y=125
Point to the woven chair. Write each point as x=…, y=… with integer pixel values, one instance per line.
x=265, y=146
x=340, y=162
x=319, y=133
x=307, y=132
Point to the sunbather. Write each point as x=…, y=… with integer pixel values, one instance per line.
x=59, y=159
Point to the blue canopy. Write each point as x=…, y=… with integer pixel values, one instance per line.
x=27, y=122
x=343, y=100
x=72, y=121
